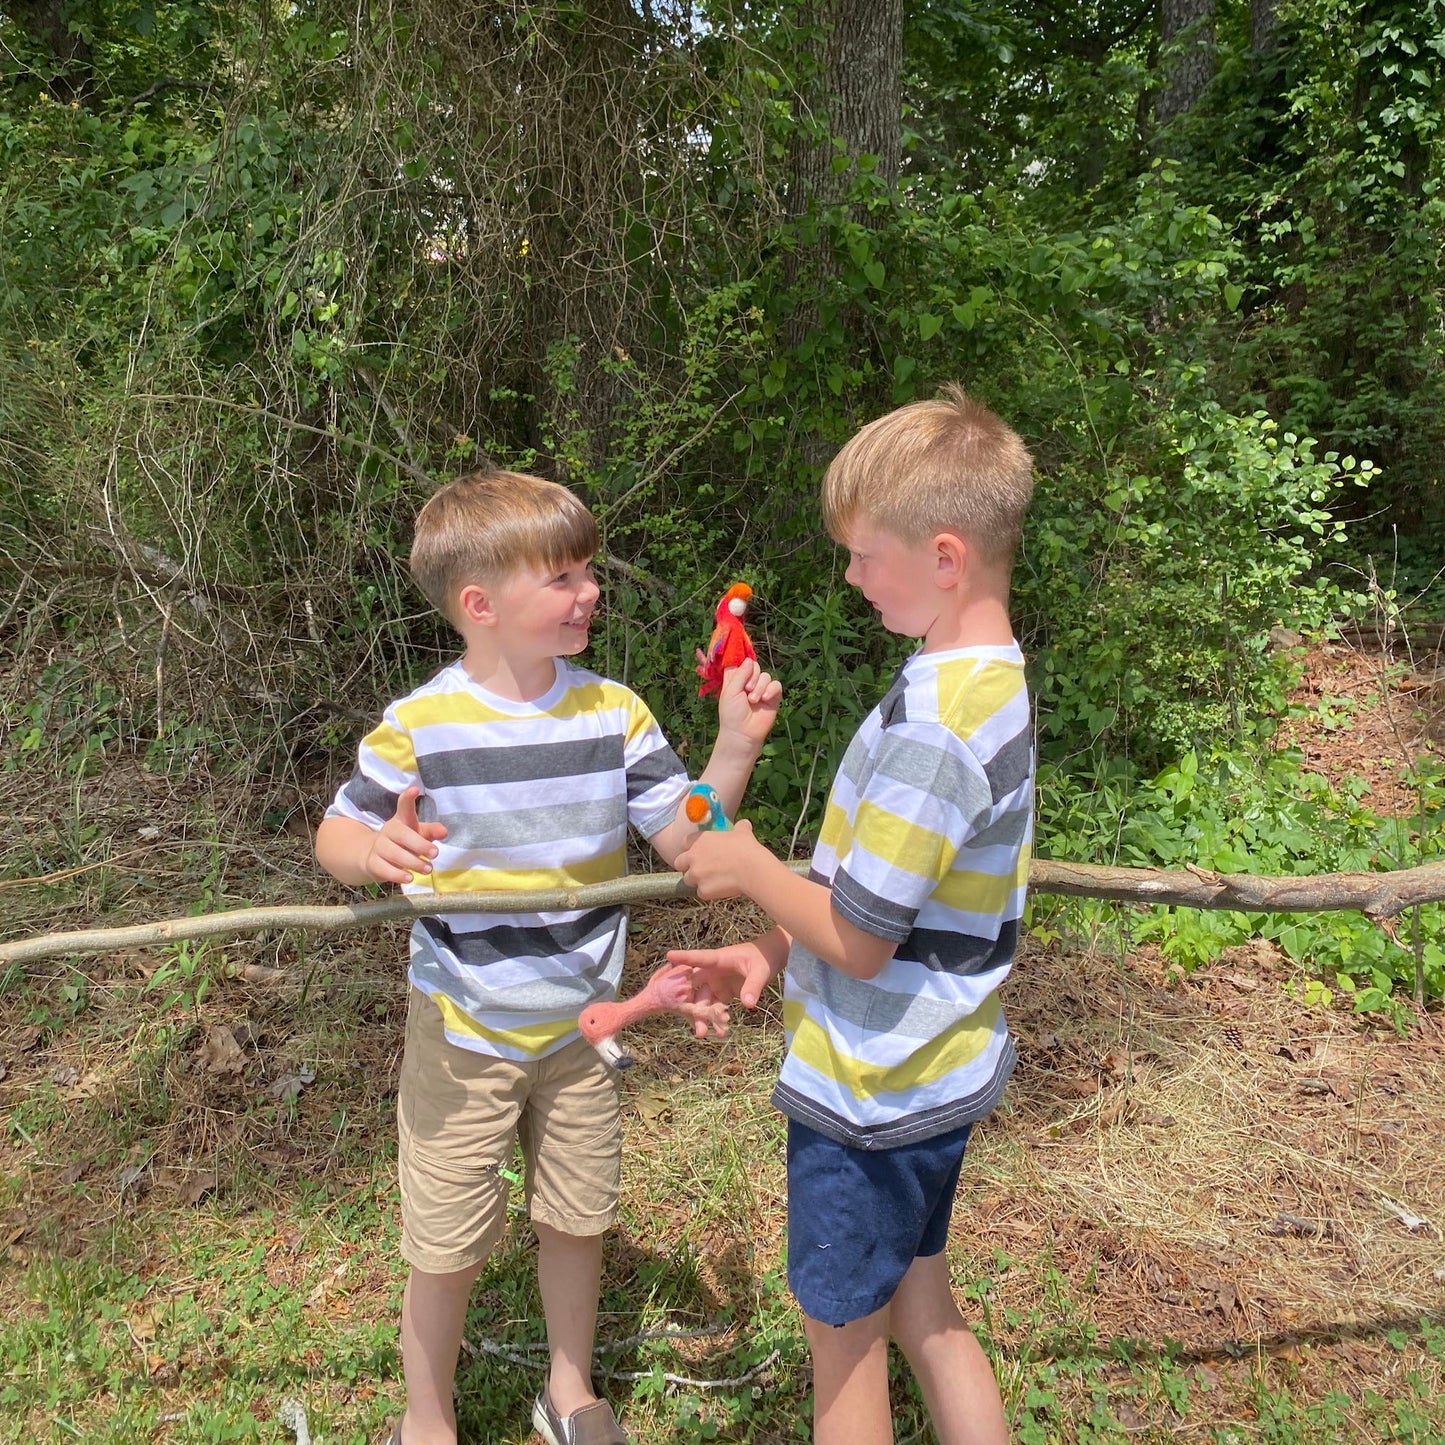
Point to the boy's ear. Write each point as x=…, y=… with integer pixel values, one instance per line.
x=474, y=605
x=951, y=556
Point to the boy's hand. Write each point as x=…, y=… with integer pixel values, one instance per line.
x=741, y=971
x=748, y=702
x=403, y=845
x=709, y=1015
x=716, y=865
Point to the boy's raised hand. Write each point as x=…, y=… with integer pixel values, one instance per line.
x=740, y=971
x=748, y=702
x=403, y=845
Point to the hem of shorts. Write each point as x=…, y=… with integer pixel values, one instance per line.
x=848, y=1310
x=453, y=1263
x=577, y=1225
x=896, y=1133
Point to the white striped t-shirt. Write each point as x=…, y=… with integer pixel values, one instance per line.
x=925, y=842
x=534, y=795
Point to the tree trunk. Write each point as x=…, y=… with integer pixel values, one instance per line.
x=1187, y=32
x=851, y=95
x=850, y=98
x=1263, y=18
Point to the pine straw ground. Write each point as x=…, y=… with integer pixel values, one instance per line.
x=1198, y=1170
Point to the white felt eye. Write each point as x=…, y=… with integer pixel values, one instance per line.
x=737, y=607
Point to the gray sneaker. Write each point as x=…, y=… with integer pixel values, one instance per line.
x=593, y=1424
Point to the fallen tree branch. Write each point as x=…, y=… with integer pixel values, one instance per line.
x=1380, y=896
x=331, y=918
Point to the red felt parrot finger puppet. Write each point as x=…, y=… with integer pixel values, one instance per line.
x=729, y=646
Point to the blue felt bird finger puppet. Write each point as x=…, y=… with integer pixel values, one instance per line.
x=704, y=808
x=729, y=646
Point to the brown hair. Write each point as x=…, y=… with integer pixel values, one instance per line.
x=481, y=527
x=933, y=466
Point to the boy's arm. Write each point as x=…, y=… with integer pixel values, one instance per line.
x=724, y=865
x=747, y=709
x=356, y=853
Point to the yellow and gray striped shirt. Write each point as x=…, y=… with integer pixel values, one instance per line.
x=534, y=795
x=925, y=842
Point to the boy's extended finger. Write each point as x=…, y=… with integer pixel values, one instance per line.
x=406, y=806
x=692, y=957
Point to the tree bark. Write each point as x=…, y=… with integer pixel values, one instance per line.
x=851, y=103
x=1187, y=32
x=1263, y=19
x=1380, y=896
x=852, y=95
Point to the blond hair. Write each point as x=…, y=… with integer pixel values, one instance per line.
x=480, y=528
x=947, y=465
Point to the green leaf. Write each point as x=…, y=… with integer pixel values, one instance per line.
x=875, y=273
x=929, y=325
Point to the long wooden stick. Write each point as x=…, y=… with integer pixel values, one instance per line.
x=1379, y=896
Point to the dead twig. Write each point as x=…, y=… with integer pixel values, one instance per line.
x=535, y=1357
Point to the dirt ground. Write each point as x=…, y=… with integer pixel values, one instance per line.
x=1396, y=713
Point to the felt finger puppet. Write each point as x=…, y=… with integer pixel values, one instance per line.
x=704, y=808
x=670, y=990
x=729, y=645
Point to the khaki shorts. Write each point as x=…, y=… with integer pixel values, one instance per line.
x=457, y=1115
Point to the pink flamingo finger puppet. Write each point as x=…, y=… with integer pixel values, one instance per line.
x=704, y=808
x=670, y=990
x=729, y=646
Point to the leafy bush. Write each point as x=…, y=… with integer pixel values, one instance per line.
x=1240, y=811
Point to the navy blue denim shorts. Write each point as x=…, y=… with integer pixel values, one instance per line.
x=858, y=1218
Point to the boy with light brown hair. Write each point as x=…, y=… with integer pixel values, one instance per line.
x=513, y=768
x=896, y=943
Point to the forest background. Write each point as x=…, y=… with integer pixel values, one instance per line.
x=269, y=273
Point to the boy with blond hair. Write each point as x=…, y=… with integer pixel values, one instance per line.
x=513, y=768
x=897, y=941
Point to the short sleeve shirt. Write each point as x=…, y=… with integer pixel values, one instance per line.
x=534, y=795
x=925, y=842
